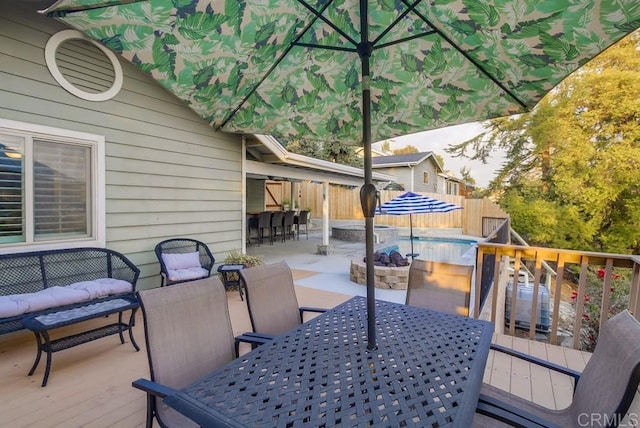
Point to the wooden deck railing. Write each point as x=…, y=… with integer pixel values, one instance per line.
x=495, y=259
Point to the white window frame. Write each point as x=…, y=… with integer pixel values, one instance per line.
x=453, y=187
x=425, y=177
x=97, y=232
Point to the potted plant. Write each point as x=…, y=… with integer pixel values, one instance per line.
x=235, y=257
x=286, y=204
x=231, y=278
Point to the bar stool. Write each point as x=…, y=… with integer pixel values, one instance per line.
x=302, y=220
x=264, y=223
x=277, y=222
x=289, y=217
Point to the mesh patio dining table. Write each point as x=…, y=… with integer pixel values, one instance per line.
x=426, y=371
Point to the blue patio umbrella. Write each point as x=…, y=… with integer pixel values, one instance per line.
x=414, y=203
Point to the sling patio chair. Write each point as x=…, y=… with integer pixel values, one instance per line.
x=602, y=393
x=271, y=299
x=183, y=259
x=188, y=335
x=439, y=286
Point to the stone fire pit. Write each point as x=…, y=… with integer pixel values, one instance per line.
x=386, y=277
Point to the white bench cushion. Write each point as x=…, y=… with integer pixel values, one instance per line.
x=103, y=287
x=186, y=274
x=52, y=297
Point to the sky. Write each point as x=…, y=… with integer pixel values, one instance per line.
x=439, y=139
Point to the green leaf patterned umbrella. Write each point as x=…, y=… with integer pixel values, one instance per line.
x=354, y=71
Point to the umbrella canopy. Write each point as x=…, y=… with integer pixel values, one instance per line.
x=414, y=203
x=354, y=70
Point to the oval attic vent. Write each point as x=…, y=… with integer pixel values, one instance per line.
x=83, y=67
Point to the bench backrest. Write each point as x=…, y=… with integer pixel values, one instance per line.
x=33, y=271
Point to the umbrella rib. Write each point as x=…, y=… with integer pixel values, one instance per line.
x=331, y=48
x=317, y=15
x=395, y=22
x=64, y=11
x=405, y=39
x=471, y=60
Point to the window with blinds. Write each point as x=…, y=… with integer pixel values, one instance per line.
x=11, y=189
x=61, y=183
x=51, y=187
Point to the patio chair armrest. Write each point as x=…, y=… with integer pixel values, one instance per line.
x=258, y=335
x=540, y=362
x=153, y=388
x=253, y=338
x=304, y=309
x=508, y=414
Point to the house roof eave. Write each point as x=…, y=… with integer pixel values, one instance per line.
x=294, y=159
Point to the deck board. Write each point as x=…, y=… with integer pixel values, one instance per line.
x=90, y=385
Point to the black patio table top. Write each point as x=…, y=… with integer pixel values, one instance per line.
x=426, y=371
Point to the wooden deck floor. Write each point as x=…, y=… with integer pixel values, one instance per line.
x=90, y=385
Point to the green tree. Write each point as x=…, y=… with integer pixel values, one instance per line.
x=386, y=147
x=406, y=150
x=465, y=173
x=303, y=147
x=341, y=153
x=572, y=174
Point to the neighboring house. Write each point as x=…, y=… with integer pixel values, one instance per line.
x=420, y=172
x=415, y=172
x=117, y=167
x=456, y=186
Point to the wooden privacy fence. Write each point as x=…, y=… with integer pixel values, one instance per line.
x=344, y=204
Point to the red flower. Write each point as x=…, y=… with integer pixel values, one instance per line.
x=601, y=273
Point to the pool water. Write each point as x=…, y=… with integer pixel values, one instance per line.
x=448, y=250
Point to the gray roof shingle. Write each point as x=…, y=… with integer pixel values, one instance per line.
x=409, y=158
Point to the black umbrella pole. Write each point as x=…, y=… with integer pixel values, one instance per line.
x=368, y=191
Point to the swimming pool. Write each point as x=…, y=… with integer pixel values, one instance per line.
x=449, y=250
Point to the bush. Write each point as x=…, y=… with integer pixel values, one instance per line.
x=237, y=258
x=618, y=302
